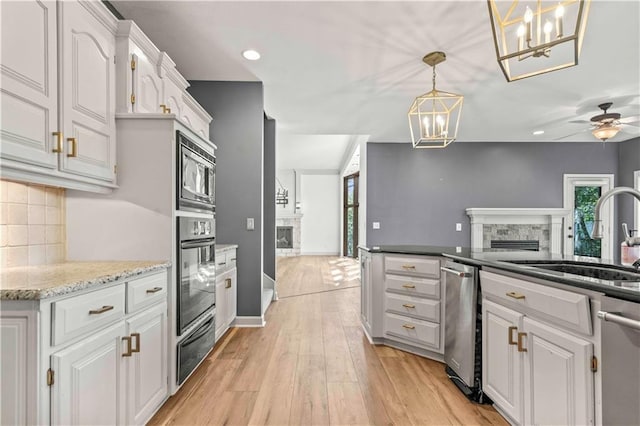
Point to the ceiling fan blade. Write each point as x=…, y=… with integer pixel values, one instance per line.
x=572, y=134
x=579, y=121
x=628, y=120
x=631, y=124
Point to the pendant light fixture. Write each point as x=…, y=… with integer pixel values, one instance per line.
x=434, y=117
x=534, y=37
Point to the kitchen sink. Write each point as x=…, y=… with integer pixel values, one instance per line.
x=602, y=272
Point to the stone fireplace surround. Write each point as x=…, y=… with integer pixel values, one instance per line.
x=543, y=225
x=294, y=221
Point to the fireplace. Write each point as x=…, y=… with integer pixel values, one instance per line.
x=288, y=233
x=284, y=237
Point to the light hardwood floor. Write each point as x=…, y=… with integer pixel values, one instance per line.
x=312, y=365
x=298, y=275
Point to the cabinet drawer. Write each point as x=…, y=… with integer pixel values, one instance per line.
x=424, y=309
x=565, y=308
x=413, y=265
x=419, y=332
x=146, y=291
x=231, y=258
x=422, y=287
x=78, y=315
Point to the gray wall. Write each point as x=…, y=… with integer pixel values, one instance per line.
x=269, y=197
x=237, y=130
x=629, y=161
x=418, y=195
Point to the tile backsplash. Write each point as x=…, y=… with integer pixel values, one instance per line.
x=32, y=224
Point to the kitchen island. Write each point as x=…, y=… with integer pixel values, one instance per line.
x=545, y=357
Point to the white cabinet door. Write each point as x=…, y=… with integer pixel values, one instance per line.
x=147, y=86
x=88, y=93
x=221, y=307
x=365, y=290
x=147, y=368
x=29, y=92
x=501, y=361
x=558, y=381
x=231, y=288
x=89, y=380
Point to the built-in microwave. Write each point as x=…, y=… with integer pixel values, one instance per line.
x=196, y=175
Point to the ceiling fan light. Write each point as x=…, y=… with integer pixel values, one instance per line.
x=605, y=132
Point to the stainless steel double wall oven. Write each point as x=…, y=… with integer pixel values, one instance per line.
x=196, y=271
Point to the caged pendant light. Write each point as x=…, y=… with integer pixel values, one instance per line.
x=434, y=117
x=533, y=37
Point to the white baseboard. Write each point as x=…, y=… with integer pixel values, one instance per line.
x=249, y=322
x=268, y=282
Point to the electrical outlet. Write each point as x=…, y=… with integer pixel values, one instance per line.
x=376, y=225
x=458, y=249
x=458, y=227
x=250, y=224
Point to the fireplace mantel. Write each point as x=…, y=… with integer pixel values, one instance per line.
x=518, y=216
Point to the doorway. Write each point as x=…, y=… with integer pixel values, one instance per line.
x=350, y=216
x=581, y=192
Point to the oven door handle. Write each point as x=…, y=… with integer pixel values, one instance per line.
x=198, y=243
x=201, y=332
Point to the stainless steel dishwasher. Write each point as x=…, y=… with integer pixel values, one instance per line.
x=463, y=329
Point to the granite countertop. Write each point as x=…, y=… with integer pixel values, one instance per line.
x=502, y=258
x=44, y=281
x=224, y=247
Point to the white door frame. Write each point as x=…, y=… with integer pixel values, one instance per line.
x=636, y=205
x=606, y=182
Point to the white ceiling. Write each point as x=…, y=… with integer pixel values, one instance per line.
x=353, y=68
x=325, y=152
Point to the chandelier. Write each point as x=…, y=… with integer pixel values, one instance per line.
x=535, y=37
x=434, y=117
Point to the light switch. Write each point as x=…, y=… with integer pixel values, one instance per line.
x=250, y=224
x=376, y=225
x=458, y=249
x=458, y=227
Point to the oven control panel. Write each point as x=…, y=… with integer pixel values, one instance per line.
x=196, y=228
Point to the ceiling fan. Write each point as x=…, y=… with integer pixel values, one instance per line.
x=606, y=125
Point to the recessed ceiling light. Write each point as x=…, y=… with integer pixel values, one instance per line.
x=538, y=132
x=251, y=55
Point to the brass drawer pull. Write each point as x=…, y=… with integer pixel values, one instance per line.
x=128, y=340
x=406, y=305
x=408, y=286
x=74, y=147
x=233, y=260
x=164, y=108
x=510, y=338
x=227, y=283
x=100, y=310
x=154, y=290
x=408, y=267
x=137, y=346
x=58, y=147
x=408, y=326
x=222, y=263
x=515, y=295
x=520, y=347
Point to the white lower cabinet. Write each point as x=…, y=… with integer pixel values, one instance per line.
x=365, y=289
x=146, y=376
x=558, y=381
x=88, y=380
x=226, y=290
x=535, y=372
x=501, y=366
x=109, y=367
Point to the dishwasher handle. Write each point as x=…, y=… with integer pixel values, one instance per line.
x=461, y=274
x=619, y=319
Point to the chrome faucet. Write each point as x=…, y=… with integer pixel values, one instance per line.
x=596, y=233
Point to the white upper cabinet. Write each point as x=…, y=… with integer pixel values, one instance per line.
x=139, y=85
x=29, y=91
x=58, y=94
x=88, y=99
x=148, y=81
